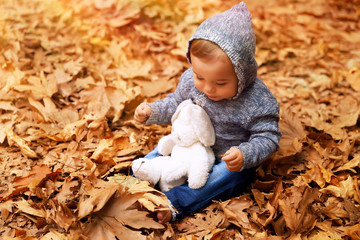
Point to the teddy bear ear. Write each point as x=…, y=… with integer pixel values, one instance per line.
x=202, y=126
x=179, y=108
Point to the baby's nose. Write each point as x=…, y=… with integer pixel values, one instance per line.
x=209, y=88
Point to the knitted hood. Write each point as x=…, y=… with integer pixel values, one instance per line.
x=233, y=32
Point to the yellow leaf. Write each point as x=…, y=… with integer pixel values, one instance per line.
x=99, y=42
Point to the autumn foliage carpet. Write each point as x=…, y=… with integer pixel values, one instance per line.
x=72, y=72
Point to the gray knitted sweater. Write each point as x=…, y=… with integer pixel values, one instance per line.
x=248, y=121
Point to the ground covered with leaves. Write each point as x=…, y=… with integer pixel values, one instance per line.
x=72, y=72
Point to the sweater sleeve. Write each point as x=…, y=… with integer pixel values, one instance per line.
x=264, y=136
x=162, y=110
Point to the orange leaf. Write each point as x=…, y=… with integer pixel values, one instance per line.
x=35, y=178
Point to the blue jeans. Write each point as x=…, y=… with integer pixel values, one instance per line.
x=221, y=185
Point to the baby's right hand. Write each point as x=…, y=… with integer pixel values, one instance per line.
x=142, y=113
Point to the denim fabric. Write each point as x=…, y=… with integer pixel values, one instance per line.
x=221, y=185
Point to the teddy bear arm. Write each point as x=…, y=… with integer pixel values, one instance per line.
x=166, y=145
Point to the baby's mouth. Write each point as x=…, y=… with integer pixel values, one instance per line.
x=211, y=97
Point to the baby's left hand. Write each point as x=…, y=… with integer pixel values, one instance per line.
x=234, y=159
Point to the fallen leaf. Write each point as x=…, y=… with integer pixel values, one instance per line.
x=97, y=198
x=20, y=142
x=33, y=179
x=25, y=207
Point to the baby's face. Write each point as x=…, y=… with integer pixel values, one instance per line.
x=216, y=78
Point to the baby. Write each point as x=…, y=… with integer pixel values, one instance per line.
x=223, y=81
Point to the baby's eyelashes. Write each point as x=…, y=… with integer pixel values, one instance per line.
x=199, y=78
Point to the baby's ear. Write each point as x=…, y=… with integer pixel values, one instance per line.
x=202, y=126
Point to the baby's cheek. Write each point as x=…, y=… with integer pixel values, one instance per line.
x=198, y=85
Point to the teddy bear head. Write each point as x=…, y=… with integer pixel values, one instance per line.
x=191, y=124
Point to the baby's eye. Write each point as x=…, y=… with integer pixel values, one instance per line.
x=200, y=78
x=221, y=83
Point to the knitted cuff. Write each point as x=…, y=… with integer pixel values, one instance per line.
x=247, y=154
x=154, y=116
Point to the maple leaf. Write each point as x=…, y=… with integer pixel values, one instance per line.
x=39, y=86
x=235, y=211
x=293, y=135
x=350, y=165
x=25, y=206
x=347, y=189
x=50, y=113
x=99, y=100
x=118, y=215
x=207, y=224
x=75, y=129
x=60, y=214
x=151, y=199
x=98, y=196
x=299, y=219
x=6, y=208
x=33, y=179
x=107, y=149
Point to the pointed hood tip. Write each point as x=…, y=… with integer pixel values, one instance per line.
x=241, y=8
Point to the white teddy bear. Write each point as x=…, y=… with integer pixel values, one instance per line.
x=187, y=153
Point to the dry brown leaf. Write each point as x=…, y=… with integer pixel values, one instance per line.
x=293, y=135
x=353, y=74
x=119, y=213
x=38, y=86
x=96, y=198
x=20, y=142
x=235, y=211
x=107, y=149
x=33, y=179
x=151, y=198
x=73, y=130
x=60, y=214
x=350, y=165
x=203, y=225
x=25, y=207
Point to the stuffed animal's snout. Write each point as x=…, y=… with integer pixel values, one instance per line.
x=136, y=165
